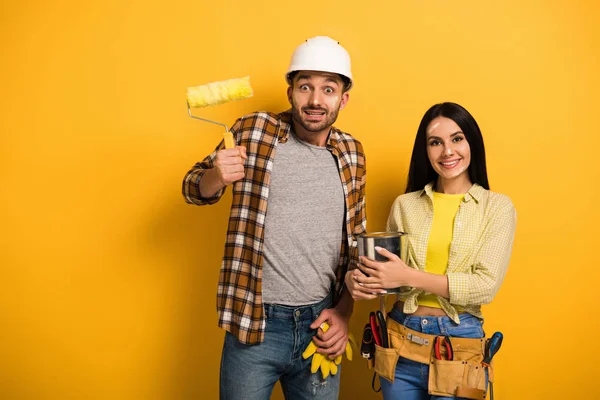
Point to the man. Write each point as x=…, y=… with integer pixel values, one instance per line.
x=298, y=200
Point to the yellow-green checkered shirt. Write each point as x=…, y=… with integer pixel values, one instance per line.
x=484, y=230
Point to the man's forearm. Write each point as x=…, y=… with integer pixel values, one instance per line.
x=346, y=303
x=210, y=183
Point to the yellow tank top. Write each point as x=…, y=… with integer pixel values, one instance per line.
x=445, y=207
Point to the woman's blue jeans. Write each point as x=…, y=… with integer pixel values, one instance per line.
x=411, y=378
x=249, y=372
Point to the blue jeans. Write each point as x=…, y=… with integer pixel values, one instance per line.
x=412, y=378
x=249, y=372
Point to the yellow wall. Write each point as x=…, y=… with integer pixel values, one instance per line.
x=108, y=279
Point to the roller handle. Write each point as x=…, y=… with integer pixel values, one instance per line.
x=229, y=142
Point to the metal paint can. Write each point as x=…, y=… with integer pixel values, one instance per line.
x=394, y=242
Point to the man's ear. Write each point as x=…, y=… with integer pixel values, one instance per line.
x=345, y=98
x=289, y=94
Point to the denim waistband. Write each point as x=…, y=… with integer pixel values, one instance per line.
x=305, y=312
x=407, y=319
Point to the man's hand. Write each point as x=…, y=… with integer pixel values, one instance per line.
x=356, y=289
x=333, y=342
x=228, y=168
x=325, y=364
x=229, y=164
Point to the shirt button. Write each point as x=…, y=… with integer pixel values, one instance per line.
x=424, y=322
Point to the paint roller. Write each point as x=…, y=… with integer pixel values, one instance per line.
x=215, y=93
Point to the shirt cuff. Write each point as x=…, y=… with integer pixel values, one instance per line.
x=194, y=190
x=458, y=288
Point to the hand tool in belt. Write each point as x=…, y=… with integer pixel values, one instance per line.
x=367, y=347
x=491, y=348
x=438, y=342
x=382, y=329
x=375, y=328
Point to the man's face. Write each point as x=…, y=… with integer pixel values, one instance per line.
x=316, y=98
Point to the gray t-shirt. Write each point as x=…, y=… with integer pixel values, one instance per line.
x=303, y=225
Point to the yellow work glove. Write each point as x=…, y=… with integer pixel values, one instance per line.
x=322, y=362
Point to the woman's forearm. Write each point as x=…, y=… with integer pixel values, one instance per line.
x=432, y=283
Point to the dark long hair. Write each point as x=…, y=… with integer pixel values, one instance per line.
x=421, y=172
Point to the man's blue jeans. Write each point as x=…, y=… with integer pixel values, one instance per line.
x=411, y=378
x=249, y=372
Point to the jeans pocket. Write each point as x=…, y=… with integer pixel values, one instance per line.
x=385, y=362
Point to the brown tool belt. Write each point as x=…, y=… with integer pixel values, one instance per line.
x=458, y=372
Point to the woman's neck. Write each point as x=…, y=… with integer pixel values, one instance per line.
x=453, y=186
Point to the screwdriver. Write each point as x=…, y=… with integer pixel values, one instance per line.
x=491, y=348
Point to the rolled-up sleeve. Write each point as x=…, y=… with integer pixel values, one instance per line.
x=480, y=285
x=191, y=181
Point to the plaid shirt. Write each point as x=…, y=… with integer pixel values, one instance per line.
x=484, y=229
x=239, y=294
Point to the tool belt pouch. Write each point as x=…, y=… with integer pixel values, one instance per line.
x=465, y=379
x=417, y=348
x=385, y=362
x=464, y=376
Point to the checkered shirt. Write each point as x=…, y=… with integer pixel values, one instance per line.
x=239, y=294
x=484, y=229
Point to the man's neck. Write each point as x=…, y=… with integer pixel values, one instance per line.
x=314, y=138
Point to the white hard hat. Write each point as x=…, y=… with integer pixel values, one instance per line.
x=320, y=53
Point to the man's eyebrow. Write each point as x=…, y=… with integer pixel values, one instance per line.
x=303, y=77
x=327, y=78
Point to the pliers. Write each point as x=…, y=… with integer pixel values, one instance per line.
x=383, y=332
x=379, y=328
x=375, y=328
x=437, y=343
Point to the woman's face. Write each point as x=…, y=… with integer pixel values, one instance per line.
x=448, y=150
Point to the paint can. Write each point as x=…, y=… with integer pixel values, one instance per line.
x=394, y=242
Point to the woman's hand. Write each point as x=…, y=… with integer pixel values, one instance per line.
x=379, y=275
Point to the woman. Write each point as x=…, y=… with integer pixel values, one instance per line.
x=460, y=240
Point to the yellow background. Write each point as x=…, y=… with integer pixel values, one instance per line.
x=108, y=279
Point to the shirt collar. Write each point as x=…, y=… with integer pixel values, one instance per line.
x=286, y=126
x=474, y=193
